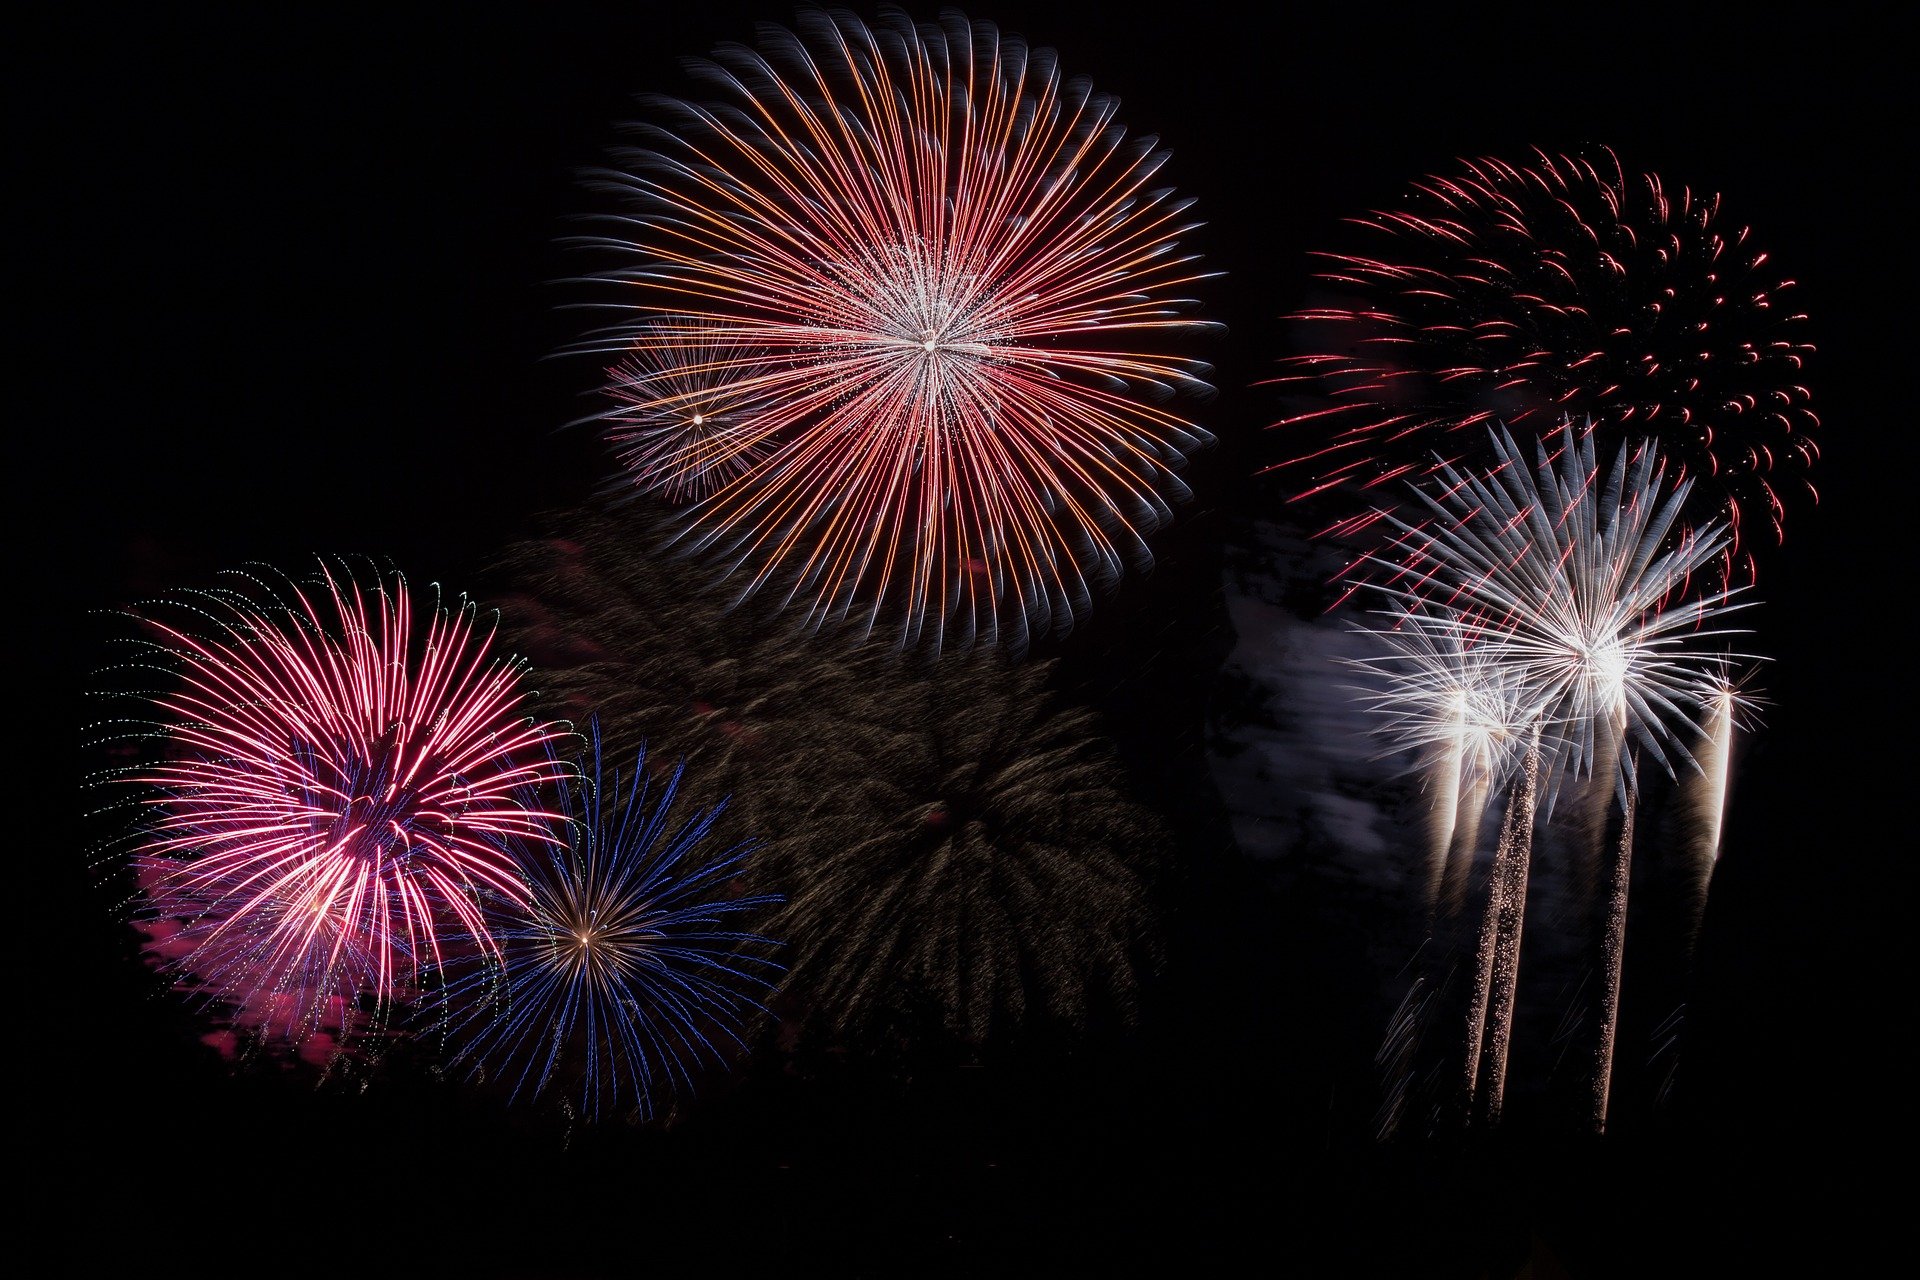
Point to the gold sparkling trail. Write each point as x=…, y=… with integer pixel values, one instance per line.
x=1510, y=870
x=1615, y=954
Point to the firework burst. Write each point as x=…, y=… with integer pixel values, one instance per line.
x=948, y=272
x=623, y=976
x=336, y=783
x=959, y=858
x=682, y=424
x=1463, y=710
x=1574, y=573
x=1566, y=287
x=1563, y=580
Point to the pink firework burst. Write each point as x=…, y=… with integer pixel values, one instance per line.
x=333, y=803
x=1566, y=289
x=949, y=272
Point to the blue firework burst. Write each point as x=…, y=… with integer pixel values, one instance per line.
x=627, y=972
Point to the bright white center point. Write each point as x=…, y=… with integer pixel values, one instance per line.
x=1606, y=665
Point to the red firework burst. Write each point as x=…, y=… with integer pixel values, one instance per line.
x=1563, y=290
x=941, y=263
x=334, y=799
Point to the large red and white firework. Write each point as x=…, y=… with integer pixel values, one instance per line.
x=952, y=281
x=331, y=809
x=1530, y=295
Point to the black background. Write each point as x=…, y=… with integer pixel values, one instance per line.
x=296, y=268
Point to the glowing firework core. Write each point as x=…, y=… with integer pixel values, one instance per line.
x=917, y=301
x=623, y=974
x=1602, y=664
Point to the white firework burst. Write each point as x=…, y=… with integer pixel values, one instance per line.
x=1440, y=690
x=1541, y=613
x=1574, y=574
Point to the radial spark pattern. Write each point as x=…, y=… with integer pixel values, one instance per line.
x=1441, y=691
x=682, y=424
x=627, y=973
x=1575, y=574
x=952, y=278
x=1522, y=294
x=959, y=858
x=336, y=782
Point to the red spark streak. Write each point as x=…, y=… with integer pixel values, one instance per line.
x=1567, y=287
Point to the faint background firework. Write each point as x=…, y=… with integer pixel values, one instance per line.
x=333, y=776
x=960, y=858
x=621, y=627
x=1569, y=286
x=631, y=970
x=951, y=278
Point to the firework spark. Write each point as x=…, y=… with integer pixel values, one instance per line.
x=1576, y=573
x=1461, y=707
x=1565, y=578
x=336, y=783
x=1714, y=755
x=952, y=272
x=1613, y=957
x=624, y=975
x=960, y=856
x=1707, y=792
x=683, y=425
x=1499, y=976
x=1525, y=294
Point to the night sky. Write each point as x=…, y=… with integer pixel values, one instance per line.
x=298, y=276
